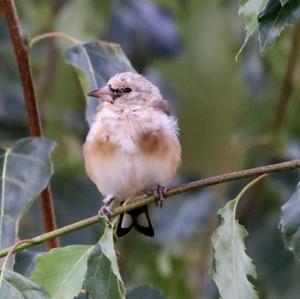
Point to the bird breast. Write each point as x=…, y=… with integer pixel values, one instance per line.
x=126, y=154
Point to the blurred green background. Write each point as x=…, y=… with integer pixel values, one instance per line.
x=225, y=110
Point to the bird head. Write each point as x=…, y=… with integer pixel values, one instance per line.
x=128, y=89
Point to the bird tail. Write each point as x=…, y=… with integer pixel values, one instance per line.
x=137, y=218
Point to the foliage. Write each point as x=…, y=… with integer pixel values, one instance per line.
x=16, y=286
x=231, y=264
x=99, y=61
x=61, y=271
x=25, y=172
x=289, y=222
x=270, y=17
x=103, y=279
x=275, y=18
x=251, y=10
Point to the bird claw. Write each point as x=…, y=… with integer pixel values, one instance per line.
x=105, y=211
x=159, y=193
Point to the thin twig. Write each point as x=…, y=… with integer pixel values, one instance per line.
x=287, y=86
x=47, y=35
x=5, y=262
x=11, y=251
x=35, y=126
x=145, y=199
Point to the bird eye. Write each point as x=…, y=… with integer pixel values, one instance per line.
x=127, y=89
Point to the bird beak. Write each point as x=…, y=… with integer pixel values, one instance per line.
x=104, y=93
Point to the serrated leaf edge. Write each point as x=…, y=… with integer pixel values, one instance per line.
x=235, y=202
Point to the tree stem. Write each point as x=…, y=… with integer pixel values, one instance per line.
x=287, y=85
x=145, y=199
x=35, y=126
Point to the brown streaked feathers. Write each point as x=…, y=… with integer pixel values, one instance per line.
x=162, y=106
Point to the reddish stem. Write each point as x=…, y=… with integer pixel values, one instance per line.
x=35, y=126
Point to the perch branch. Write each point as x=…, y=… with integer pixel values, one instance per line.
x=35, y=126
x=145, y=199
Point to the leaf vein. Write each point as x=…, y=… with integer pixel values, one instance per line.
x=71, y=270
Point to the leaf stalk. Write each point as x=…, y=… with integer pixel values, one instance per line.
x=47, y=35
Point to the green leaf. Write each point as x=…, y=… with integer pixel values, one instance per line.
x=100, y=281
x=96, y=63
x=61, y=271
x=145, y=292
x=231, y=264
x=25, y=171
x=290, y=223
x=16, y=286
x=274, y=19
x=103, y=279
x=250, y=9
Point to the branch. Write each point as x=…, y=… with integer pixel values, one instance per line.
x=35, y=126
x=145, y=199
x=287, y=86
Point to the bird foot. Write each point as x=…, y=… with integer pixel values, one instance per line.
x=159, y=193
x=105, y=210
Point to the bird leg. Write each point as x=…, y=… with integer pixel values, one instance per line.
x=159, y=193
x=106, y=209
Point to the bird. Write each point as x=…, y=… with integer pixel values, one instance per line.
x=132, y=147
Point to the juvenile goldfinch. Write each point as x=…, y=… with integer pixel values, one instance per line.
x=132, y=146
